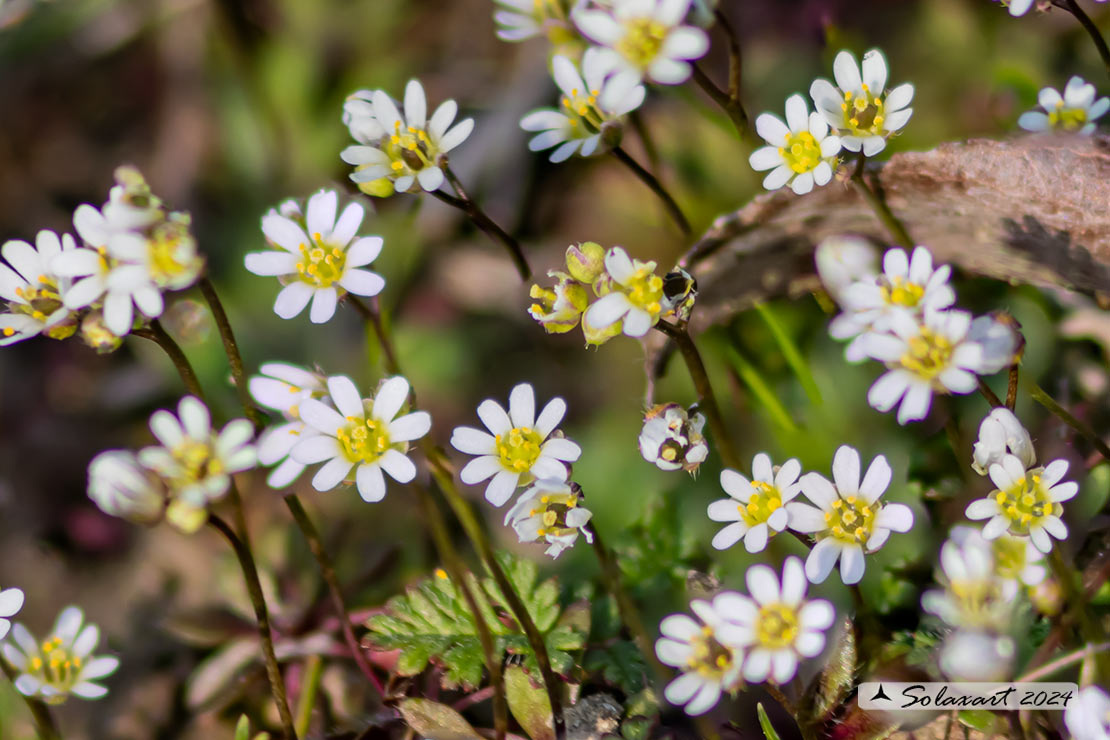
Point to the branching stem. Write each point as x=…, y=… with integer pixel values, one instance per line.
x=656, y=187
x=157, y=334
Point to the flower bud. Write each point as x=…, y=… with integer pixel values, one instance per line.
x=671, y=438
x=122, y=487
x=559, y=309
x=175, y=263
x=1047, y=597
x=999, y=334
x=586, y=262
x=977, y=656
x=380, y=188
x=1000, y=434
x=843, y=260
x=95, y=333
x=598, y=337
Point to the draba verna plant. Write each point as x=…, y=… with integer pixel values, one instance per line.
x=643, y=369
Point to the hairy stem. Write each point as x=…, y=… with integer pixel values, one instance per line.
x=231, y=349
x=157, y=334
x=700, y=378
x=1066, y=416
x=241, y=546
x=327, y=570
x=656, y=187
x=879, y=206
x=479, y=218
x=45, y=726
x=450, y=559
x=1089, y=26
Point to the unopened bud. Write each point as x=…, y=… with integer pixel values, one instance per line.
x=380, y=188
x=586, y=262
x=598, y=337
x=672, y=438
x=999, y=334
x=95, y=333
x=1047, y=597
x=558, y=309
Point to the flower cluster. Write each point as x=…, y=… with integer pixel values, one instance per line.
x=400, y=153
x=178, y=478
x=671, y=438
x=630, y=297
x=757, y=638
x=857, y=114
x=317, y=256
x=131, y=251
x=903, y=317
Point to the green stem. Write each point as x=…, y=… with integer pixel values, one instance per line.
x=790, y=353
x=242, y=548
x=879, y=206
x=991, y=396
x=157, y=334
x=450, y=559
x=1050, y=403
x=373, y=317
x=656, y=187
x=1063, y=662
x=1089, y=26
x=479, y=218
x=700, y=378
x=231, y=349
x=327, y=570
x=314, y=669
x=732, y=108
x=45, y=725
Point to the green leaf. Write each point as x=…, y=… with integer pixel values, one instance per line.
x=243, y=728
x=541, y=601
x=765, y=722
x=622, y=664
x=529, y=704
x=436, y=721
x=978, y=719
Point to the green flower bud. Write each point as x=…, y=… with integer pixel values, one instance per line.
x=598, y=337
x=380, y=188
x=559, y=308
x=95, y=333
x=586, y=262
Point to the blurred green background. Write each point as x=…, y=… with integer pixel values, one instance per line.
x=229, y=107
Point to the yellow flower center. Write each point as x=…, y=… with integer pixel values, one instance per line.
x=777, y=626
x=642, y=40
x=709, y=658
x=645, y=289
x=173, y=255
x=851, y=520
x=801, y=152
x=321, y=265
x=553, y=509
x=764, y=501
x=42, y=300
x=582, y=111
x=1026, y=504
x=363, y=440
x=977, y=601
x=518, y=449
x=409, y=149
x=928, y=354
x=196, y=462
x=1009, y=556
x=56, y=667
x=1068, y=119
x=863, y=114
x=900, y=292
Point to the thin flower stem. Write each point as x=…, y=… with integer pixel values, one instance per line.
x=879, y=206
x=327, y=570
x=373, y=317
x=732, y=108
x=479, y=218
x=465, y=514
x=735, y=61
x=644, y=135
x=157, y=334
x=306, y=702
x=241, y=546
x=1063, y=662
x=45, y=725
x=1050, y=403
x=991, y=396
x=1012, y=386
x=450, y=559
x=656, y=187
x=1089, y=26
x=790, y=352
x=700, y=378
x=231, y=349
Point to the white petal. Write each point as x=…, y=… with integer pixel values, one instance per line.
x=370, y=483
x=479, y=469
x=399, y=467
x=332, y=474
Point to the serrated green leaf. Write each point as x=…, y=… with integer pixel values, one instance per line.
x=436, y=721
x=765, y=723
x=622, y=664
x=529, y=704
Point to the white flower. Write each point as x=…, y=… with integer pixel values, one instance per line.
x=969, y=655
x=195, y=461
x=775, y=625
x=552, y=511
x=1000, y=434
x=361, y=434
x=908, y=285
x=1026, y=503
x=405, y=150
x=319, y=266
x=591, y=108
x=671, y=438
x=646, y=38
x=974, y=595
x=11, y=601
x=1088, y=715
x=857, y=108
x=1077, y=110
x=707, y=666
x=844, y=260
x=519, y=447
x=34, y=292
x=635, y=298
x=849, y=519
x=801, y=152
x=518, y=20
x=284, y=388
x=121, y=486
x=999, y=336
x=1018, y=7
x=63, y=663
x=757, y=507
x=932, y=356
